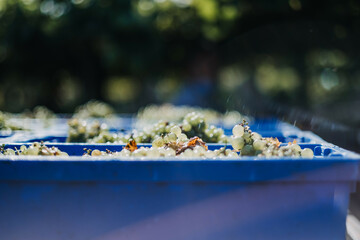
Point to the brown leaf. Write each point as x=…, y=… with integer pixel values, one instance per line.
x=195, y=141
x=274, y=141
x=131, y=146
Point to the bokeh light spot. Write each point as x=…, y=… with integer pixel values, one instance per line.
x=295, y=5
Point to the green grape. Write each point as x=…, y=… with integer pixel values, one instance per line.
x=158, y=142
x=238, y=131
x=295, y=147
x=183, y=137
x=247, y=150
x=172, y=137
x=176, y=130
x=259, y=144
x=186, y=126
x=23, y=148
x=247, y=136
x=237, y=143
x=95, y=153
x=307, y=153
x=33, y=150
x=255, y=136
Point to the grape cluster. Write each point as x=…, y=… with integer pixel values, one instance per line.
x=92, y=132
x=7, y=124
x=176, y=148
x=151, y=152
x=34, y=149
x=39, y=112
x=107, y=137
x=82, y=131
x=149, y=134
x=167, y=112
x=171, y=113
x=94, y=109
x=174, y=138
x=194, y=124
x=291, y=150
x=253, y=144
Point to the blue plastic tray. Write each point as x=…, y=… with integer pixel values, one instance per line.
x=77, y=149
x=252, y=198
x=104, y=198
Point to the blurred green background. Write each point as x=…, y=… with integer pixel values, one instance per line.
x=296, y=58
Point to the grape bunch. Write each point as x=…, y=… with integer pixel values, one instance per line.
x=167, y=112
x=82, y=131
x=171, y=113
x=253, y=144
x=107, y=137
x=194, y=124
x=291, y=150
x=39, y=112
x=177, y=147
x=150, y=133
x=7, y=124
x=94, y=109
x=35, y=149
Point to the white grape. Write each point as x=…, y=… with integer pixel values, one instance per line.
x=9, y=151
x=32, y=150
x=153, y=153
x=237, y=143
x=176, y=130
x=170, y=152
x=183, y=137
x=238, y=131
x=307, y=153
x=247, y=150
x=259, y=145
x=172, y=137
x=255, y=136
x=247, y=136
x=158, y=142
x=64, y=154
x=295, y=147
x=166, y=139
x=95, y=153
x=186, y=127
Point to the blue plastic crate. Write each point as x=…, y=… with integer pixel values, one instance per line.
x=77, y=149
x=252, y=198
